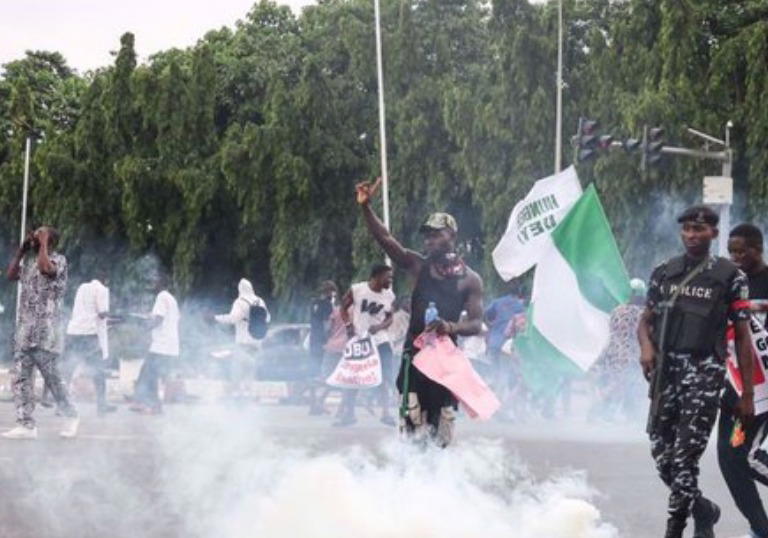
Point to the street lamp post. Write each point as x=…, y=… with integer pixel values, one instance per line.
x=382, y=115
x=23, y=227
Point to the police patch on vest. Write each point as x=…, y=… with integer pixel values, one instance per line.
x=699, y=292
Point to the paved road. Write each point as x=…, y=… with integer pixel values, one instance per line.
x=191, y=471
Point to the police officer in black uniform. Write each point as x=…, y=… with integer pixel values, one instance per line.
x=682, y=337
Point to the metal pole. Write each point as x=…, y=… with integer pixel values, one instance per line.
x=725, y=209
x=382, y=115
x=559, y=112
x=23, y=233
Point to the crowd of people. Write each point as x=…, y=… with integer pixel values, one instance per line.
x=676, y=327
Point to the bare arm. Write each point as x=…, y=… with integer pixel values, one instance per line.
x=14, y=268
x=647, y=349
x=472, y=324
x=745, y=409
x=405, y=258
x=44, y=263
x=346, y=302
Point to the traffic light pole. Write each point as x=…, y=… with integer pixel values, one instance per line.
x=725, y=156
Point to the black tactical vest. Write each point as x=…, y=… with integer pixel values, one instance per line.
x=698, y=319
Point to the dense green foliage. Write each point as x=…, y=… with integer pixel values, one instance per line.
x=238, y=156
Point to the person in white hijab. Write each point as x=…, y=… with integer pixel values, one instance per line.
x=240, y=364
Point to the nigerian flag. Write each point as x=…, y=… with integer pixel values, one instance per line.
x=577, y=283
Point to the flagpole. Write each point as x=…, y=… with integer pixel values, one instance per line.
x=382, y=115
x=559, y=113
x=23, y=233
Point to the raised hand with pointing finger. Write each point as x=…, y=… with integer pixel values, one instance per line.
x=367, y=190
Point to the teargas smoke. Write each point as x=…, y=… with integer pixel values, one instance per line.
x=223, y=473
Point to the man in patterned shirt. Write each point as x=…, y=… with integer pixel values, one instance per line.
x=38, y=339
x=682, y=336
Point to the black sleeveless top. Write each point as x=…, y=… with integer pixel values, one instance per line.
x=444, y=292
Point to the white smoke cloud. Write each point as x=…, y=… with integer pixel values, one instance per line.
x=233, y=483
x=223, y=472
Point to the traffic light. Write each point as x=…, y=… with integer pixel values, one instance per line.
x=586, y=139
x=605, y=141
x=654, y=142
x=631, y=144
x=588, y=142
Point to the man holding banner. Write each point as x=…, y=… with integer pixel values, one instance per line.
x=744, y=461
x=682, y=336
x=371, y=304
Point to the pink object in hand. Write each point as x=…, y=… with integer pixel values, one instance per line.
x=444, y=363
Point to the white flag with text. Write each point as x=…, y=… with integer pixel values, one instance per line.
x=532, y=221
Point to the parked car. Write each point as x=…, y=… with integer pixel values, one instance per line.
x=284, y=354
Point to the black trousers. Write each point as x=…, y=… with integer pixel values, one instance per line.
x=743, y=467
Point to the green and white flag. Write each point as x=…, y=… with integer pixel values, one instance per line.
x=578, y=282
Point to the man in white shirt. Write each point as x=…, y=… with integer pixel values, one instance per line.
x=163, y=350
x=239, y=315
x=371, y=304
x=87, y=338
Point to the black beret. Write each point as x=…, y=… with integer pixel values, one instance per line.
x=701, y=214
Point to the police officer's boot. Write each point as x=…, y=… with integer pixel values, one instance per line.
x=675, y=527
x=705, y=515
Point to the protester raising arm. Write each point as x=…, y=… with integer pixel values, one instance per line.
x=407, y=259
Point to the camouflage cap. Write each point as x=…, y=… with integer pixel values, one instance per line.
x=439, y=221
x=700, y=214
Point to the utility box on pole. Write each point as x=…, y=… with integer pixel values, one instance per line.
x=718, y=191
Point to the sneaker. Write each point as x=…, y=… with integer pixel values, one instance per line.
x=21, y=432
x=70, y=429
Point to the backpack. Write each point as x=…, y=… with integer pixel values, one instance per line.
x=257, y=321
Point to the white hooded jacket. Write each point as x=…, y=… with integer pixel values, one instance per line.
x=241, y=310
